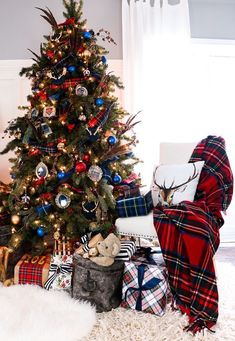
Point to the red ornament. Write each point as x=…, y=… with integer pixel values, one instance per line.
x=81, y=49
x=70, y=127
x=80, y=167
x=39, y=181
x=46, y=196
x=50, y=54
x=34, y=152
x=86, y=157
x=93, y=122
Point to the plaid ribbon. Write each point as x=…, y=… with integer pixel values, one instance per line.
x=137, y=282
x=153, y=282
x=67, y=84
x=50, y=150
x=58, y=269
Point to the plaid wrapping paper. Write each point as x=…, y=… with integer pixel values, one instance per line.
x=136, y=206
x=144, y=288
x=32, y=270
x=60, y=273
x=127, y=250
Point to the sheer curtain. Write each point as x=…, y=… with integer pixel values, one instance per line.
x=176, y=83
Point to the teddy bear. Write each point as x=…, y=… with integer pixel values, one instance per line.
x=108, y=250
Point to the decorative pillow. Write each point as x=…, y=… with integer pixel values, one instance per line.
x=175, y=183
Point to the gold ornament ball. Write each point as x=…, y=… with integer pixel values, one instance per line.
x=15, y=219
x=32, y=190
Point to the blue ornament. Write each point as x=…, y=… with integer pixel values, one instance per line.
x=104, y=59
x=71, y=68
x=60, y=175
x=42, y=209
x=40, y=231
x=99, y=101
x=87, y=35
x=117, y=179
x=112, y=140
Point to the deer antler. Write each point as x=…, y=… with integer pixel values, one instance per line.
x=172, y=187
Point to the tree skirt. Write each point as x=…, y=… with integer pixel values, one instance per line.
x=127, y=325
x=30, y=313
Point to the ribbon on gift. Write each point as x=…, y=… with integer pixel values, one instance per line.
x=152, y=283
x=57, y=269
x=85, y=241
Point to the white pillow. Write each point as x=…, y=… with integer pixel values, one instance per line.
x=175, y=183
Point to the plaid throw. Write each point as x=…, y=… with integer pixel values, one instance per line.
x=136, y=206
x=32, y=270
x=189, y=236
x=144, y=288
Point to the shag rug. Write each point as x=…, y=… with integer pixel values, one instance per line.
x=127, y=325
x=30, y=313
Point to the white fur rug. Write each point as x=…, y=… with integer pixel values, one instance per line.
x=30, y=313
x=127, y=325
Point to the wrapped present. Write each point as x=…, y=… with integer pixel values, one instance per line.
x=32, y=270
x=144, y=288
x=127, y=191
x=135, y=206
x=127, y=250
x=150, y=255
x=60, y=273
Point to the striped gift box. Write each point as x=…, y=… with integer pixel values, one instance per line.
x=135, y=206
x=145, y=288
x=127, y=250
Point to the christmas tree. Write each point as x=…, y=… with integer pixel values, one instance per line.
x=73, y=145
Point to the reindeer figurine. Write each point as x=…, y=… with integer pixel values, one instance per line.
x=166, y=194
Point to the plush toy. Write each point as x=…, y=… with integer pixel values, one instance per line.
x=108, y=250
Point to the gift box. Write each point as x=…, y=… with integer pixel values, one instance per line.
x=144, y=288
x=60, y=273
x=127, y=250
x=32, y=270
x=127, y=191
x=135, y=206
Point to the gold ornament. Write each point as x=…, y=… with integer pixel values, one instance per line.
x=15, y=219
x=57, y=235
x=32, y=190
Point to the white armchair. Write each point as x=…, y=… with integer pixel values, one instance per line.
x=142, y=226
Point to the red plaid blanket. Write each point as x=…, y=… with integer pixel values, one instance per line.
x=189, y=236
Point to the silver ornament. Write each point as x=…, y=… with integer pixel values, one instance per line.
x=95, y=173
x=81, y=91
x=62, y=200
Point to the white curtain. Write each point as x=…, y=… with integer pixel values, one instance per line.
x=174, y=82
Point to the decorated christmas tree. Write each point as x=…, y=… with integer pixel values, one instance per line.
x=73, y=144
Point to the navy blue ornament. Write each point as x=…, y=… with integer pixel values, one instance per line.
x=71, y=68
x=104, y=59
x=42, y=209
x=99, y=102
x=87, y=35
x=117, y=179
x=112, y=140
x=61, y=175
x=40, y=231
